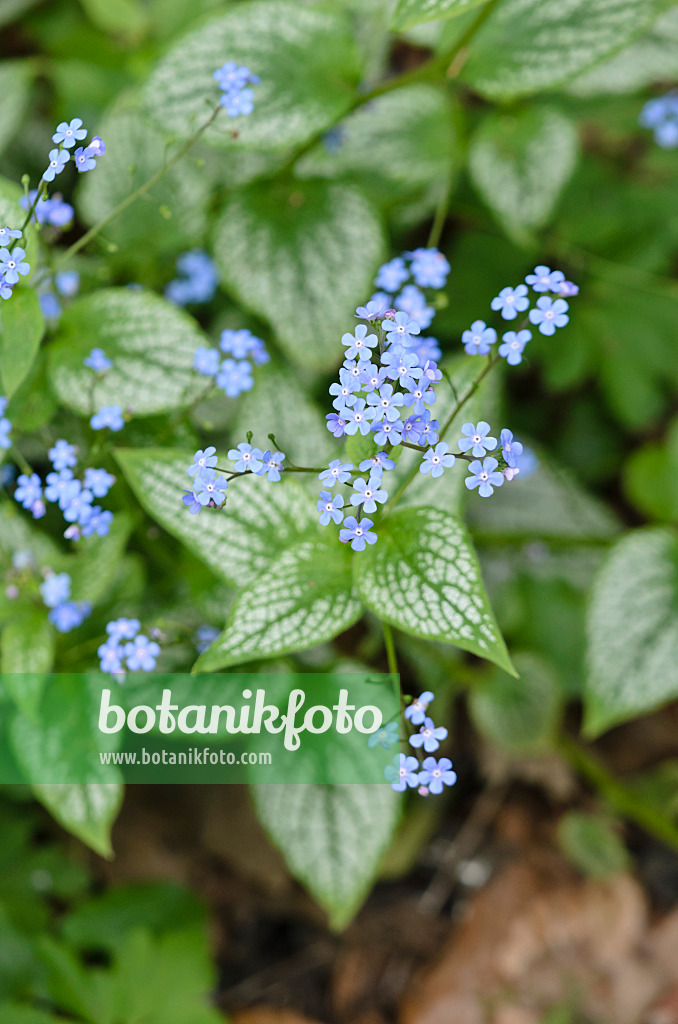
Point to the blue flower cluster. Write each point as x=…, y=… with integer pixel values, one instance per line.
x=13, y=263
x=661, y=116
x=209, y=490
x=236, y=98
x=126, y=649
x=73, y=497
x=66, y=286
x=433, y=774
x=233, y=374
x=63, y=613
x=5, y=425
x=107, y=417
x=196, y=280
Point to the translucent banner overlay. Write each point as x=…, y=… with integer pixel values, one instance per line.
x=270, y=728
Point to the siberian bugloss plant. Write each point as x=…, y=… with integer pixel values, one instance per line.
x=294, y=336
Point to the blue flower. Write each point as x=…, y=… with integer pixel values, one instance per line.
x=429, y=736
x=513, y=345
x=141, y=654
x=401, y=330
x=79, y=507
x=429, y=268
x=549, y=314
x=98, y=481
x=98, y=360
x=69, y=133
x=428, y=429
x=378, y=461
x=359, y=343
x=385, y=737
x=336, y=424
x=197, y=281
x=98, y=521
x=273, y=466
x=483, y=475
x=427, y=348
x=416, y=711
x=5, y=428
x=479, y=338
x=330, y=508
x=67, y=283
x=12, y=264
x=245, y=457
x=69, y=615
x=402, y=773
x=368, y=492
x=243, y=344
x=477, y=439
x=110, y=657
x=358, y=533
x=231, y=78
x=358, y=418
x=204, y=637
x=49, y=305
x=437, y=774
x=401, y=365
x=437, y=460
x=511, y=450
x=337, y=472
x=191, y=502
x=29, y=490
x=392, y=275
x=568, y=290
x=56, y=589
x=385, y=430
x=123, y=629
x=386, y=403
x=58, y=483
x=411, y=432
x=419, y=396
x=235, y=377
x=6, y=236
x=661, y=114
x=210, y=489
x=51, y=210
x=545, y=280
x=203, y=460
x=108, y=416
x=511, y=301
x=345, y=390
x=412, y=301
x=58, y=158
x=65, y=490
x=431, y=372
x=5, y=289
x=206, y=361
x=375, y=308
x=63, y=455
x=84, y=159
x=238, y=104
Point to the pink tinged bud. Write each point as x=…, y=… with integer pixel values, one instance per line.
x=12, y=592
x=97, y=146
x=389, y=314
x=510, y=472
x=73, y=532
x=423, y=791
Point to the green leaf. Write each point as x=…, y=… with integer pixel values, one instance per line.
x=395, y=147
x=237, y=542
x=520, y=163
x=63, y=742
x=125, y=18
x=423, y=577
x=633, y=630
x=301, y=257
x=302, y=599
x=529, y=45
x=21, y=329
x=27, y=645
x=517, y=714
x=305, y=58
x=651, y=477
x=549, y=504
x=15, y=82
x=175, y=214
x=96, y=567
x=280, y=404
x=11, y=9
x=332, y=838
x=152, y=345
x=653, y=58
x=13, y=1013
x=592, y=845
x=412, y=12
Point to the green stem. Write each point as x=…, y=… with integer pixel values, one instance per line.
x=390, y=649
x=132, y=198
x=626, y=803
